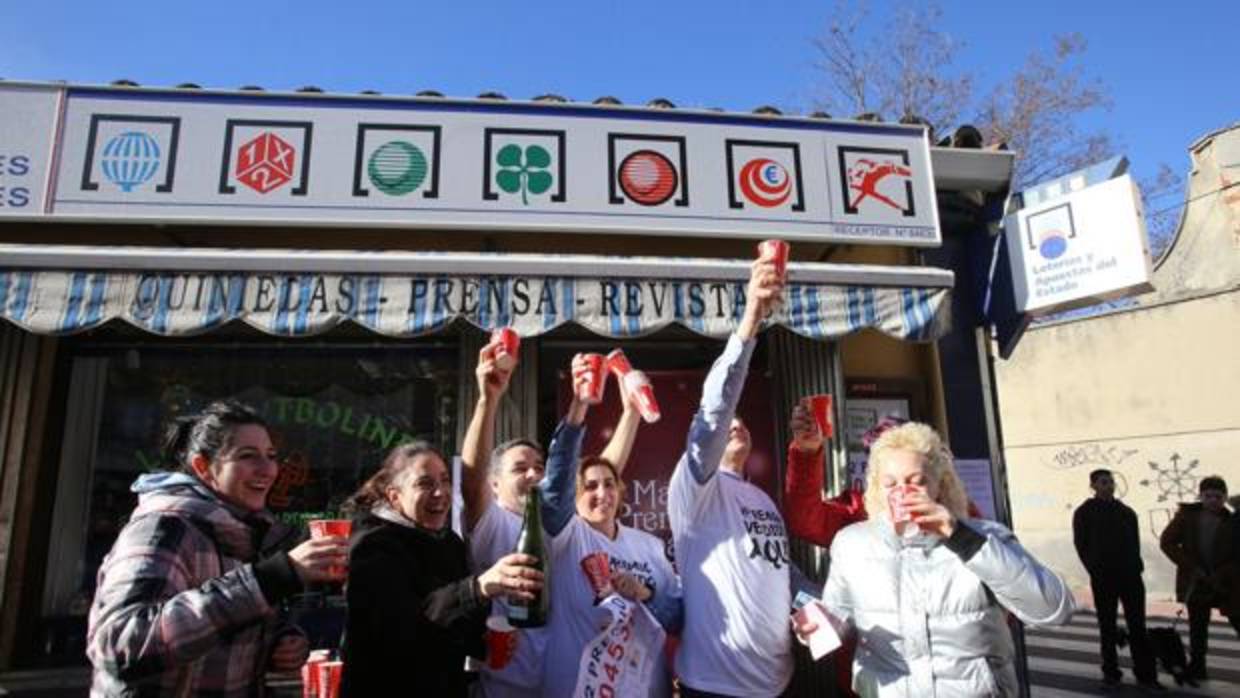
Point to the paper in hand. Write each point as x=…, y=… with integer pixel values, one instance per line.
x=824, y=640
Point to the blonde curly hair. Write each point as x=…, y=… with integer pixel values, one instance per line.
x=924, y=440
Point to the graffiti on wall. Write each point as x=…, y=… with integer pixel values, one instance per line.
x=1172, y=482
x=1092, y=454
x=1167, y=481
x=1158, y=519
x=1175, y=481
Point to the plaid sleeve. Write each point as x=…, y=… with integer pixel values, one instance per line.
x=155, y=608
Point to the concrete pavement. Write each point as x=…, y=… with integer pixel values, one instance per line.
x=1064, y=662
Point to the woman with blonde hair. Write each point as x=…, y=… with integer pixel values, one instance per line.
x=926, y=587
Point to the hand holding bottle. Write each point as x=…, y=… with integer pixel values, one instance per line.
x=522, y=573
x=514, y=575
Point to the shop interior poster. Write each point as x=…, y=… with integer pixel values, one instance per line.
x=861, y=416
x=659, y=446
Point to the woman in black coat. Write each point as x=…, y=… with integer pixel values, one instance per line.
x=415, y=611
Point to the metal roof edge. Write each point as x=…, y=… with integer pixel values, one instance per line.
x=964, y=169
x=602, y=110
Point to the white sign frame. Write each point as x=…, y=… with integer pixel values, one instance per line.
x=28, y=116
x=223, y=158
x=1080, y=249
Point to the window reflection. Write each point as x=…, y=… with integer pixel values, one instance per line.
x=333, y=413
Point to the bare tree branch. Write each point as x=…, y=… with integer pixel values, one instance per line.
x=906, y=69
x=912, y=71
x=1035, y=113
x=1162, y=213
x=845, y=62
x=918, y=79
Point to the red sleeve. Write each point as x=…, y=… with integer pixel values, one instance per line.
x=807, y=515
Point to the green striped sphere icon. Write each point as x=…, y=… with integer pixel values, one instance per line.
x=397, y=168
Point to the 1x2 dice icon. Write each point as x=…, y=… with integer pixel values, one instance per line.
x=266, y=162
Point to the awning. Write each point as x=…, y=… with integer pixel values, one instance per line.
x=183, y=291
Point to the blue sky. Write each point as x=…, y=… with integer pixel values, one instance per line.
x=1169, y=66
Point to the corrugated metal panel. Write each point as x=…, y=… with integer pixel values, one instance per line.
x=14, y=411
x=25, y=378
x=518, y=416
x=801, y=367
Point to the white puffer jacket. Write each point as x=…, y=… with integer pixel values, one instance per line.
x=929, y=613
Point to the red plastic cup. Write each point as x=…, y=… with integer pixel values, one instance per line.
x=591, y=391
x=501, y=642
x=597, y=567
x=510, y=347
x=332, y=528
x=310, y=673
x=329, y=678
x=820, y=407
x=777, y=252
x=618, y=363
x=638, y=385
x=895, y=502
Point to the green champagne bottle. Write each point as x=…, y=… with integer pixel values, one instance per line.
x=532, y=613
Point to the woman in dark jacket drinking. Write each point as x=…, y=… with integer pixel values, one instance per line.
x=415, y=612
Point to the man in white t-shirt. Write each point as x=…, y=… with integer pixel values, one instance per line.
x=731, y=546
x=494, y=486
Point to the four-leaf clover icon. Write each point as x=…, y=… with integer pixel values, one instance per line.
x=523, y=171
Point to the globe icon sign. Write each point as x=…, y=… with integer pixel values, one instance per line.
x=130, y=159
x=397, y=168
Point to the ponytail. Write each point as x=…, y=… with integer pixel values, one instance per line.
x=175, y=441
x=207, y=433
x=395, y=468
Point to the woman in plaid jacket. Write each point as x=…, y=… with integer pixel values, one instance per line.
x=185, y=604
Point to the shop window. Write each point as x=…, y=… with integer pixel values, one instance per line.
x=869, y=402
x=333, y=412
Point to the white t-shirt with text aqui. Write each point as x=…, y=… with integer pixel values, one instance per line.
x=733, y=561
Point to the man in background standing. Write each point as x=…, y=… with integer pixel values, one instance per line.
x=1108, y=542
x=1198, y=541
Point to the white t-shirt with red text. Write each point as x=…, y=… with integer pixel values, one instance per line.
x=574, y=620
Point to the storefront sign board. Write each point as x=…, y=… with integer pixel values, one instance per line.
x=216, y=158
x=27, y=130
x=1083, y=248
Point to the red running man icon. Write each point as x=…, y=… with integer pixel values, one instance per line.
x=865, y=175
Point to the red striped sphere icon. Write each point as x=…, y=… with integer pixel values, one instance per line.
x=648, y=177
x=765, y=182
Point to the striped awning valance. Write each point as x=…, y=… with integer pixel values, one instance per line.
x=311, y=292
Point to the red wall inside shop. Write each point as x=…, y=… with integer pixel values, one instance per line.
x=658, y=446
